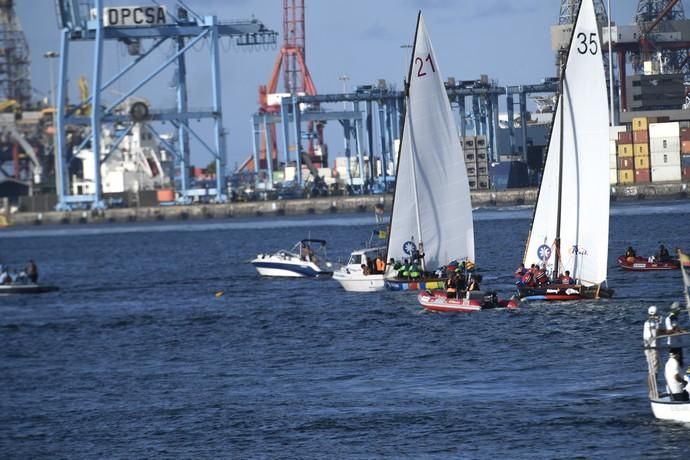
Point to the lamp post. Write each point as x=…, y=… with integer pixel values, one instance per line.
x=51, y=55
x=344, y=78
x=612, y=116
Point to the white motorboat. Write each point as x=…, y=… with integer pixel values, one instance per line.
x=353, y=278
x=302, y=261
x=663, y=405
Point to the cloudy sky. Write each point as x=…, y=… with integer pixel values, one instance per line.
x=508, y=40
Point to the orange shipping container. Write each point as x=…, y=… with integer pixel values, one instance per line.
x=625, y=150
x=641, y=162
x=642, y=176
x=626, y=176
x=641, y=137
x=165, y=195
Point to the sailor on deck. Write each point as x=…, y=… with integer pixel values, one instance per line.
x=672, y=327
x=675, y=380
x=651, y=328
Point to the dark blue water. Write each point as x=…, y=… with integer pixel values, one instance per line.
x=136, y=357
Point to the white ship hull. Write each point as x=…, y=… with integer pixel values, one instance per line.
x=665, y=409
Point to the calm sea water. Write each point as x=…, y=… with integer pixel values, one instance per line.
x=135, y=357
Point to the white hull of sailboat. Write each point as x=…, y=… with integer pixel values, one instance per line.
x=665, y=409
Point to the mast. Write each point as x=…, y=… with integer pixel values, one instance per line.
x=557, y=241
x=413, y=147
x=408, y=126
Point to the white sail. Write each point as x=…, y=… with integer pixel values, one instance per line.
x=432, y=197
x=584, y=206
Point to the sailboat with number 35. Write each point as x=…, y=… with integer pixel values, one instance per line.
x=570, y=225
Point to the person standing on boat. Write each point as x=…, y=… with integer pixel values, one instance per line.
x=663, y=255
x=32, y=271
x=672, y=327
x=675, y=380
x=452, y=286
x=651, y=328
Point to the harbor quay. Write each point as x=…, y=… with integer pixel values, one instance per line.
x=320, y=205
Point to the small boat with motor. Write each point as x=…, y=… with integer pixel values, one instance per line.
x=26, y=288
x=306, y=259
x=467, y=302
x=643, y=264
x=353, y=278
x=674, y=403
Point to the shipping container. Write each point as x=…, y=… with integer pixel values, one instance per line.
x=469, y=143
x=639, y=123
x=482, y=170
x=482, y=155
x=664, y=159
x=625, y=138
x=684, y=146
x=640, y=137
x=641, y=150
x=669, y=129
x=642, y=162
x=470, y=157
x=625, y=150
x=481, y=142
x=613, y=148
x=471, y=170
x=613, y=176
x=626, y=176
x=684, y=134
x=625, y=163
x=483, y=182
x=613, y=162
x=666, y=173
x=642, y=176
x=664, y=144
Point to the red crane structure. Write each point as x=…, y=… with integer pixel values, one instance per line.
x=297, y=81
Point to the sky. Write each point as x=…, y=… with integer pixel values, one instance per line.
x=362, y=40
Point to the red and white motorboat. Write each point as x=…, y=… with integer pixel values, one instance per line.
x=641, y=264
x=472, y=301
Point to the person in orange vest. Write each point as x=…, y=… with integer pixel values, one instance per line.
x=380, y=265
x=566, y=278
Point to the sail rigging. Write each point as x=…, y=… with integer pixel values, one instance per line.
x=431, y=205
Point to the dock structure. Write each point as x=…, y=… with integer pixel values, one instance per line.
x=131, y=25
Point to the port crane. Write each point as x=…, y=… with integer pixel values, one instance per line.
x=297, y=81
x=95, y=22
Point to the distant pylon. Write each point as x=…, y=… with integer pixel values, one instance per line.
x=569, y=11
x=15, y=63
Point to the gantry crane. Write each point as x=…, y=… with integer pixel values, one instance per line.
x=95, y=22
x=297, y=81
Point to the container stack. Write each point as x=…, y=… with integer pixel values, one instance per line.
x=482, y=163
x=685, y=151
x=640, y=138
x=476, y=161
x=625, y=163
x=664, y=151
x=614, y=132
x=469, y=148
